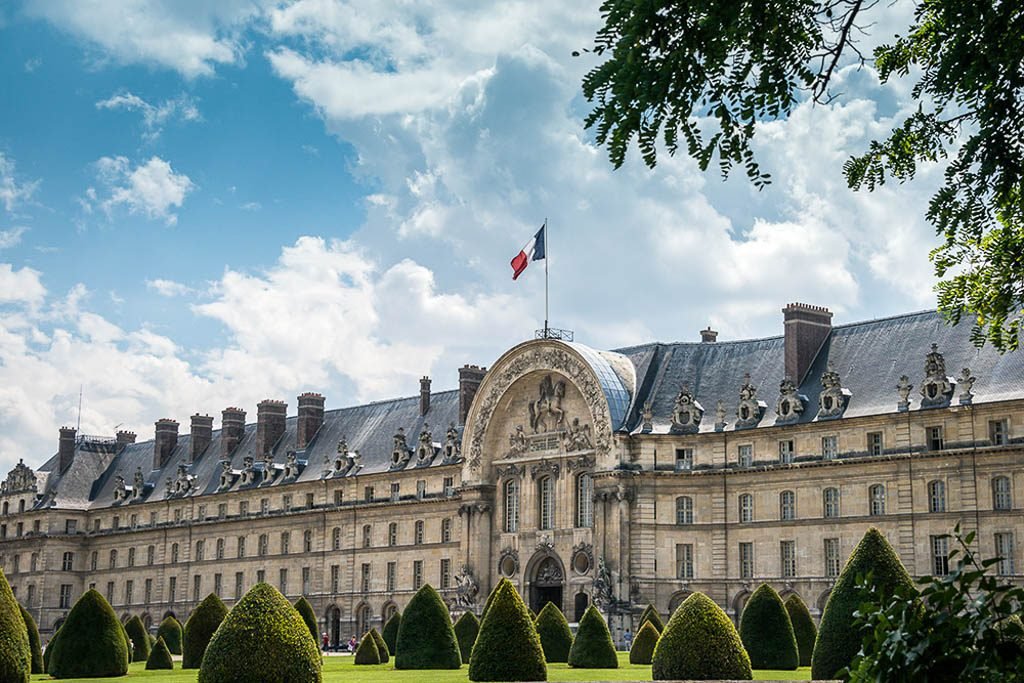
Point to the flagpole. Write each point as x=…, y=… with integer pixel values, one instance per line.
x=546, y=252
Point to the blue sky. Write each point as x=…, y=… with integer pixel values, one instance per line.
x=206, y=204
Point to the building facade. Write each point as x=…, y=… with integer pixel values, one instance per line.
x=609, y=477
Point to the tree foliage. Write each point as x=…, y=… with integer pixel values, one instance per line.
x=35, y=649
x=160, y=657
x=803, y=627
x=382, y=647
x=92, y=642
x=390, y=632
x=555, y=634
x=700, y=643
x=508, y=647
x=15, y=651
x=652, y=615
x=199, y=629
x=642, y=650
x=426, y=639
x=592, y=648
x=467, y=627
x=367, y=652
x=170, y=630
x=767, y=633
x=700, y=75
x=139, y=639
x=305, y=610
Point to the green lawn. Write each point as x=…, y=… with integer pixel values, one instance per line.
x=341, y=669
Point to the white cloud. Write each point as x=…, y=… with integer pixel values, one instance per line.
x=168, y=288
x=22, y=285
x=12, y=191
x=152, y=189
x=11, y=238
x=154, y=116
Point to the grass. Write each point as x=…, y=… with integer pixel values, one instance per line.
x=342, y=669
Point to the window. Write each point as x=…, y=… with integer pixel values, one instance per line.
x=417, y=534
x=129, y=592
x=389, y=577
x=217, y=584
x=830, y=501
x=417, y=574
x=746, y=560
x=172, y=589
x=113, y=559
x=150, y=554
x=310, y=501
x=876, y=496
x=875, y=443
x=584, y=501
x=220, y=549
x=829, y=447
x=70, y=526
x=307, y=542
x=261, y=576
x=200, y=547
x=263, y=545
x=684, y=561
x=937, y=496
x=786, y=451
x=116, y=524
x=147, y=592
x=336, y=538
x=746, y=455
x=546, y=500
x=368, y=494
x=934, y=438
x=364, y=577
x=787, y=552
x=35, y=526
x=393, y=533
x=940, y=555
x=33, y=562
x=286, y=542
x=746, y=508
x=445, y=573
x=31, y=598
x=93, y=560
x=174, y=553
x=684, y=510
x=395, y=492
x=222, y=510
x=421, y=489
x=110, y=592
x=512, y=505
x=997, y=433
x=449, y=486
x=16, y=564
x=1002, y=498
x=286, y=502
x=264, y=506
x=335, y=577
x=131, y=557
x=282, y=581
x=446, y=530
x=339, y=497
x=239, y=585
x=306, y=574
x=67, y=564
x=1004, y=551
x=197, y=587
x=832, y=564
x=787, y=505
x=241, y=546
x=367, y=538
x=201, y=513
x=684, y=459
x=65, y=596
x=243, y=508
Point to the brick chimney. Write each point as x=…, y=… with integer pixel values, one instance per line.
x=424, y=395
x=470, y=377
x=232, y=430
x=807, y=327
x=311, y=418
x=708, y=336
x=270, y=419
x=66, y=450
x=166, y=438
x=125, y=438
x=201, y=433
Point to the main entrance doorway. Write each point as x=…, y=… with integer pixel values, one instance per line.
x=546, y=585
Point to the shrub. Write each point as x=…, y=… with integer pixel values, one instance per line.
x=35, y=650
x=554, y=632
x=15, y=650
x=367, y=652
x=803, y=627
x=838, y=641
x=490, y=599
x=652, y=615
x=170, y=631
x=390, y=632
x=128, y=644
x=160, y=657
x=466, y=629
x=305, y=610
x=199, y=629
x=593, y=648
x=700, y=643
x=262, y=633
x=92, y=643
x=643, y=645
x=49, y=651
x=382, y=647
x=426, y=639
x=767, y=633
x=139, y=639
x=508, y=647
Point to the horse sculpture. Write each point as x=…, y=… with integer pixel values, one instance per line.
x=547, y=411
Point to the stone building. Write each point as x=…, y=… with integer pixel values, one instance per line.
x=613, y=477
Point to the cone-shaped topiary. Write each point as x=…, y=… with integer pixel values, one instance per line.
x=262, y=635
x=838, y=642
x=139, y=639
x=652, y=615
x=305, y=610
x=426, y=639
x=199, y=629
x=367, y=652
x=593, y=648
x=466, y=629
x=646, y=640
x=382, y=647
x=508, y=647
x=170, y=631
x=490, y=599
x=803, y=627
x=128, y=644
x=555, y=634
x=160, y=657
x=15, y=650
x=766, y=632
x=49, y=651
x=92, y=643
x=390, y=632
x=700, y=643
x=35, y=650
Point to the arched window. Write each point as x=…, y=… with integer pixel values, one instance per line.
x=546, y=502
x=584, y=500
x=937, y=496
x=830, y=500
x=263, y=546
x=512, y=505
x=417, y=532
x=787, y=505
x=200, y=547
x=446, y=530
x=113, y=559
x=393, y=533
x=876, y=496
x=131, y=557
x=307, y=541
x=684, y=510
x=241, y=546
x=220, y=548
x=367, y=535
x=1002, y=497
x=21, y=505
x=746, y=507
x=336, y=538
x=174, y=553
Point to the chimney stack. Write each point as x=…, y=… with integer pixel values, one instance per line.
x=270, y=420
x=165, y=440
x=201, y=434
x=424, y=395
x=807, y=327
x=66, y=450
x=470, y=377
x=232, y=431
x=708, y=336
x=311, y=418
x=124, y=438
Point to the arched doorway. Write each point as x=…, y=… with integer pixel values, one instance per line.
x=362, y=620
x=334, y=625
x=580, y=604
x=546, y=584
x=389, y=611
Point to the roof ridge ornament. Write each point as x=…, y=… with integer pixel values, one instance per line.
x=686, y=413
x=750, y=410
x=903, y=388
x=720, y=422
x=937, y=389
x=966, y=384
x=833, y=399
x=790, y=405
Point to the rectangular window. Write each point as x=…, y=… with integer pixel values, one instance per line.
x=241, y=546
x=1004, y=551
x=335, y=578
x=217, y=584
x=829, y=447
x=875, y=443
x=200, y=548
x=286, y=539
x=68, y=562
x=282, y=581
x=390, y=577
x=935, y=441
x=940, y=555
x=65, y=596
x=306, y=583
x=243, y=508
x=148, y=591
x=116, y=524
x=786, y=451
x=129, y=592
x=746, y=560
x=364, y=577
x=997, y=432
x=307, y=542
x=261, y=576
x=110, y=592
x=393, y=534
x=684, y=561
x=417, y=574
x=547, y=502
x=339, y=497
x=202, y=513
x=70, y=526
x=172, y=589
x=310, y=501
x=396, y=491
x=133, y=521
x=446, y=573
x=286, y=502
x=832, y=564
x=368, y=494
x=746, y=455
x=449, y=486
x=222, y=510
x=264, y=506
x=684, y=459
x=787, y=551
x=197, y=587
x=239, y=585
x=421, y=489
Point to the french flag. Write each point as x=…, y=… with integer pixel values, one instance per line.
x=533, y=251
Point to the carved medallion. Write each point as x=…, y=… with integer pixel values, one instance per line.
x=790, y=405
x=508, y=564
x=750, y=409
x=686, y=413
x=937, y=388
x=833, y=399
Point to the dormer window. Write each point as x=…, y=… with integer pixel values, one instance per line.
x=684, y=459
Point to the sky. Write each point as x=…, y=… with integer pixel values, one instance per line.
x=206, y=204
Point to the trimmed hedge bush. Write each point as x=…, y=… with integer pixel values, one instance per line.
x=593, y=648
x=646, y=640
x=199, y=629
x=803, y=627
x=467, y=627
x=555, y=634
x=490, y=599
x=15, y=650
x=139, y=639
x=390, y=632
x=700, y=643
x=35, y=649
x=305, y=610
x=128, y=644
x=262, y=633
x=160, y=657
x=767, y=633
x=367, y=652
x=170, y=631
x=92, y=642
x=652, y=615
x=426, y=639
x=49, y=651
x=508, y=647
x=838, y=642
x=382, y=647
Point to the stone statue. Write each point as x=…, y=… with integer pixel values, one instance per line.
x=546, y=412
x=937, y=388
x=966, y=383
x=139, y=482
x=602, y=585
x=425, y=450
x=120, y=490
x=720, y=416
x=19, y=479
x=400, y=449
x=517, y=441
x=903, y=388
x=577, y=438
x=467, y=588
x=451, y=443
x=750, y=409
